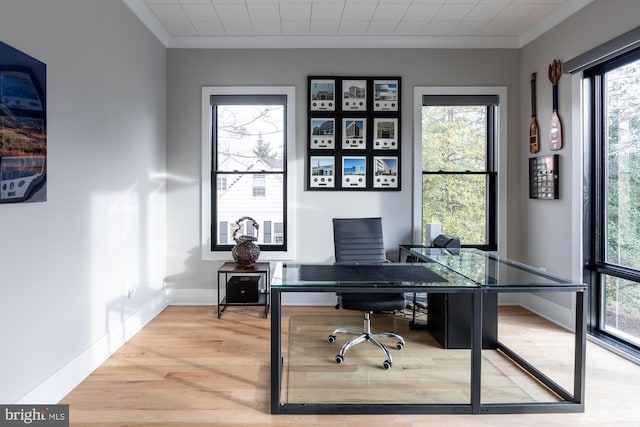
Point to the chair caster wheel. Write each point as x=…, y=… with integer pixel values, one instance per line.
x=339, y=359
x=399, y=345
x=332, y=338
x=386, y=364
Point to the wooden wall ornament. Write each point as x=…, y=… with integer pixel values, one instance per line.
x=555, y=128
x=534, y=130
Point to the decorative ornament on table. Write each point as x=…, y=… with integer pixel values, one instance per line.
x=246, y=251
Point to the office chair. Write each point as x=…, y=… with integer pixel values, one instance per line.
x=360, y=240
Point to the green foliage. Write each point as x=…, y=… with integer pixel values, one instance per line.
x=454, y=140
x=623, y=165
x=622, y=234
x=622, y=305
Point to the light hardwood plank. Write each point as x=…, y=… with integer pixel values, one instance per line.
x=186, y=367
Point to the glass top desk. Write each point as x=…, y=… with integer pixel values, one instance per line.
x=490, y=270
x=452, y=276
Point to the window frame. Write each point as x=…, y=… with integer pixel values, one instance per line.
x=207, y=192
x=596, y=267
x=499, y=157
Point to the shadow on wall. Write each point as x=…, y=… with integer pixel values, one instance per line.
x=196, y=283
x=123, y=317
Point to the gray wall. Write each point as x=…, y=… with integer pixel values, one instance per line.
x=551, y=236
x=189, y=70
x=546, y=234
x=552, y=232
x=66, y=264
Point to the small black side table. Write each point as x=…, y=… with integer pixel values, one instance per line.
x=262, y=269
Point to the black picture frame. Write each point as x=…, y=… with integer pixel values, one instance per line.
x=322, y=133
x=354, y=118
x=386, y=94
x=354, y=95
x=322, y=94
x=322, y=170
x=544, y=177
x=354, y=133
x=385, y=133
x=385, y=172
x=354, y=172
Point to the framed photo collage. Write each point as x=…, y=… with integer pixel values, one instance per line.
x=354, y=134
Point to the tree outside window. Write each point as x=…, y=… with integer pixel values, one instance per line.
x=458, y=180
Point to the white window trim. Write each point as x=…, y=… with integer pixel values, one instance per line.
x=501, y=153
x=205, y=180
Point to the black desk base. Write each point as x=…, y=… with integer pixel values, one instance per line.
x=449, y=320
x=449, y=316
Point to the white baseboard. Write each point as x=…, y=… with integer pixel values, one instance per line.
x=554, y=313
x=58, y=385
x=210, y=297
x=192, y=296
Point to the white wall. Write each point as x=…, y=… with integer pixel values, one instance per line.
x=552, y=230
x=190, y=69
x=67, y=264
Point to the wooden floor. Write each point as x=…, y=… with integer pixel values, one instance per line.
x=423, y=371
x=186, y=367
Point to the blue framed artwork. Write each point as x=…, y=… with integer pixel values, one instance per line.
x=23, y=127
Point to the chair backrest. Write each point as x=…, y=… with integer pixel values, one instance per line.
x=358, y=240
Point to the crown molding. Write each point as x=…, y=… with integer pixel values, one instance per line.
x=561, y=14
x=342, y=42
x=149, y=19
x=153, y=24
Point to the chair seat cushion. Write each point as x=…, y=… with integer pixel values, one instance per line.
x=373, y=302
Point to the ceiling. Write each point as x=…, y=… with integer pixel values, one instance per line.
x=351, y=23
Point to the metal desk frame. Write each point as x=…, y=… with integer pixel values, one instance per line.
x=572, y=402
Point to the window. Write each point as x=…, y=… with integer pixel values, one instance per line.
x=459, y=176
x=258, y=186
x=247, y=139
x=224, y=232
x=278, y=231
x=222, y=183
x=612, y=212
x=249, y=143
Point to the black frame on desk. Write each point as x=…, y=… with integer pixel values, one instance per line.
x=572, y=402
x=354, y=134
x=277, y=407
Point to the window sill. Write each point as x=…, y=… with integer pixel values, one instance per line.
x=630, y=353
x=208, y=255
